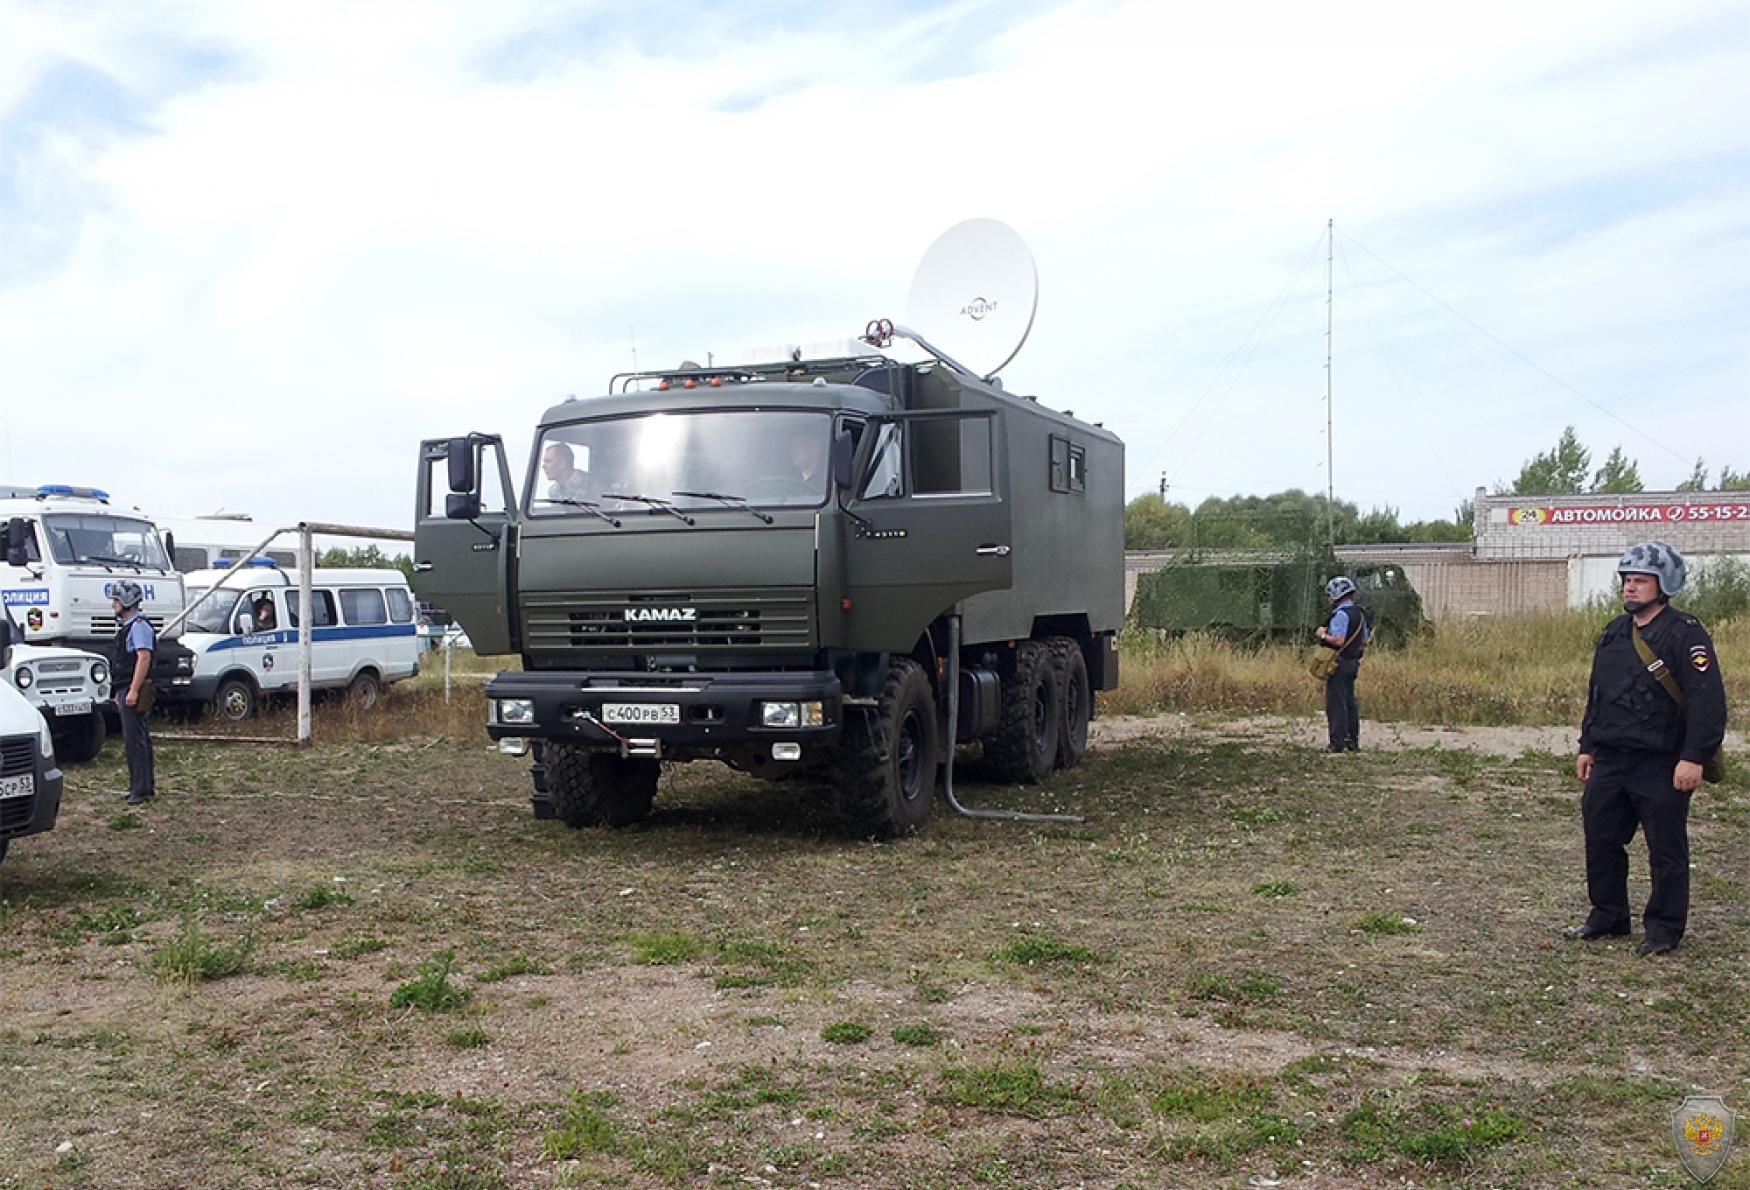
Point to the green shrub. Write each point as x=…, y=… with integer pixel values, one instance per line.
x=432, y=990
x=846, y=1033
x=193, y=957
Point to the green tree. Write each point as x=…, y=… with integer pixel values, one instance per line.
x=1697, y=481
x=366, y=557
x=1151, y=522
x=1619, y=474
x=1734, y=481
x=1562, y=470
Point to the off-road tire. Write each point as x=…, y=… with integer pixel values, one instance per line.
x=599, y=788
x=235, y=700
x=1076, y=699
x=884, y=766
x=1024, y=749
x=78, y=742
x=365, y=690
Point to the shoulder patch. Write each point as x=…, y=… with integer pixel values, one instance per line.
x=1699, y=658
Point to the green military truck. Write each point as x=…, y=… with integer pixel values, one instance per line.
x=833, y=568
x=1271, y=595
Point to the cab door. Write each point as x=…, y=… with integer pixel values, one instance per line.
x=930, y=523
x=464, y=538
x=265, y=636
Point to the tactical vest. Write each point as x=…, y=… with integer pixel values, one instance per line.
x=126, y=659
x=1629, y=707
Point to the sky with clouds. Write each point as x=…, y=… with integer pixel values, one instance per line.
x=251, y=254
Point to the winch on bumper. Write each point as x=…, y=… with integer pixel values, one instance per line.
x=776, y=716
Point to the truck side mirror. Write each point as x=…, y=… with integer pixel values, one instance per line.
x=462, y=506
x=8, y=638
x=170, y=547
x=461, y=460
x=843, y=451
x=17, y=533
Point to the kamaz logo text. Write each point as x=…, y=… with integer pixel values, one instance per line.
x=665, y=614
x=151, y=592
x=977, y=308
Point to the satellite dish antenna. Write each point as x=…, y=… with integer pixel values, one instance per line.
x=973, y=296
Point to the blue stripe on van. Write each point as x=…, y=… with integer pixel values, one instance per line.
x=289, y=636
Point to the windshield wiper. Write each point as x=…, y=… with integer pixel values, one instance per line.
x=733, y=501
x=107, y=560
x=653, y=501
x=594, y=510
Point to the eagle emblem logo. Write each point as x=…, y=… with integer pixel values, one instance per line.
x=1702, y=1131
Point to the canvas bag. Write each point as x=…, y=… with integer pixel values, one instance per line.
x=1324, y=663
x=1714, y=771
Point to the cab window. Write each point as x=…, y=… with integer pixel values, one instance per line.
x=400, y=606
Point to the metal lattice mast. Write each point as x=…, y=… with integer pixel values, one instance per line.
x=1330, y=444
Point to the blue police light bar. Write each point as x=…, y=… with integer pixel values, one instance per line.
x=65, y=489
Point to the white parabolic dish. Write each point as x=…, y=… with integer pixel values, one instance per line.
x=974, y=293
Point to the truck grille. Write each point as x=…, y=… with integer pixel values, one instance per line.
x=17, y=755
x=719, y=620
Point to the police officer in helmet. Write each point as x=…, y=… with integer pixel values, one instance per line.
x=134, y=641
x=1655, y=715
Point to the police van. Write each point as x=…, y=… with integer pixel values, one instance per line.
x=30, y=784
x=243, y=630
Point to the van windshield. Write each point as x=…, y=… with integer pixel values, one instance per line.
x=214, y=615
x=694, y=459
x=78, y=540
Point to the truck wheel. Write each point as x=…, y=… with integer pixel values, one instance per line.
x=365, y=690
x=1024, y=749
x=234, y=700
x=79, y=742
x=4, y=843
x=598, y=788
x=1076, y=698
x=884, y=767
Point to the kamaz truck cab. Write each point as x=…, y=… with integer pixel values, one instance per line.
x=65, y=547
x=836, y=567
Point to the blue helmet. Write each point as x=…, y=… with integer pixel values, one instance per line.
x=126, y=592
x=1659, y=560
x=1339, y=587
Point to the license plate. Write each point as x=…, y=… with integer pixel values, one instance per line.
x=641, y=712
x=82, y=707
x=22, y=785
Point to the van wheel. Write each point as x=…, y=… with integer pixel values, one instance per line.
x=79, y=742
x=884, y=767
x=234, y=700
x=599, y=788
x=1077, y=700
x=365, y=690
x=1024, y=749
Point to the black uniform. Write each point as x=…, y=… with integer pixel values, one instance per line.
x=1636, y=733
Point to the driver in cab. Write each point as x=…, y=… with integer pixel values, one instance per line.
x=565, y=481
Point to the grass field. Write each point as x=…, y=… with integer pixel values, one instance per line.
x=366, y=964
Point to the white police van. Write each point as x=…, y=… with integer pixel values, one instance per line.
x=30, y=784
x=244, y=634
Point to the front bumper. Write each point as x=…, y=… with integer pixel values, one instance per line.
x=36, y=812
x=714, y=712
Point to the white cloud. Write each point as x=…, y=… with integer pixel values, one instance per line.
x=330, y=230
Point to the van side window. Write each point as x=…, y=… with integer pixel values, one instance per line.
x=322, y=601
x=400, y=606
x=363, y=605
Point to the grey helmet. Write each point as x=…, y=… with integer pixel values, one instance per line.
x=1659, y=560
x=1339, y=587
x=126, y=592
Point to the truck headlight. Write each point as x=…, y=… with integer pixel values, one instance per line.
x=99, y=673
x=22, y=677
x=792, y=714
x=514, y=711
x=48, y=740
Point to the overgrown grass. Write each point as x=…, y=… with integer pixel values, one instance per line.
x=1529, y=669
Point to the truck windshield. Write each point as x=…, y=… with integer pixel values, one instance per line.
x=111, y=541
x=700, y=460
x=215, y=614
